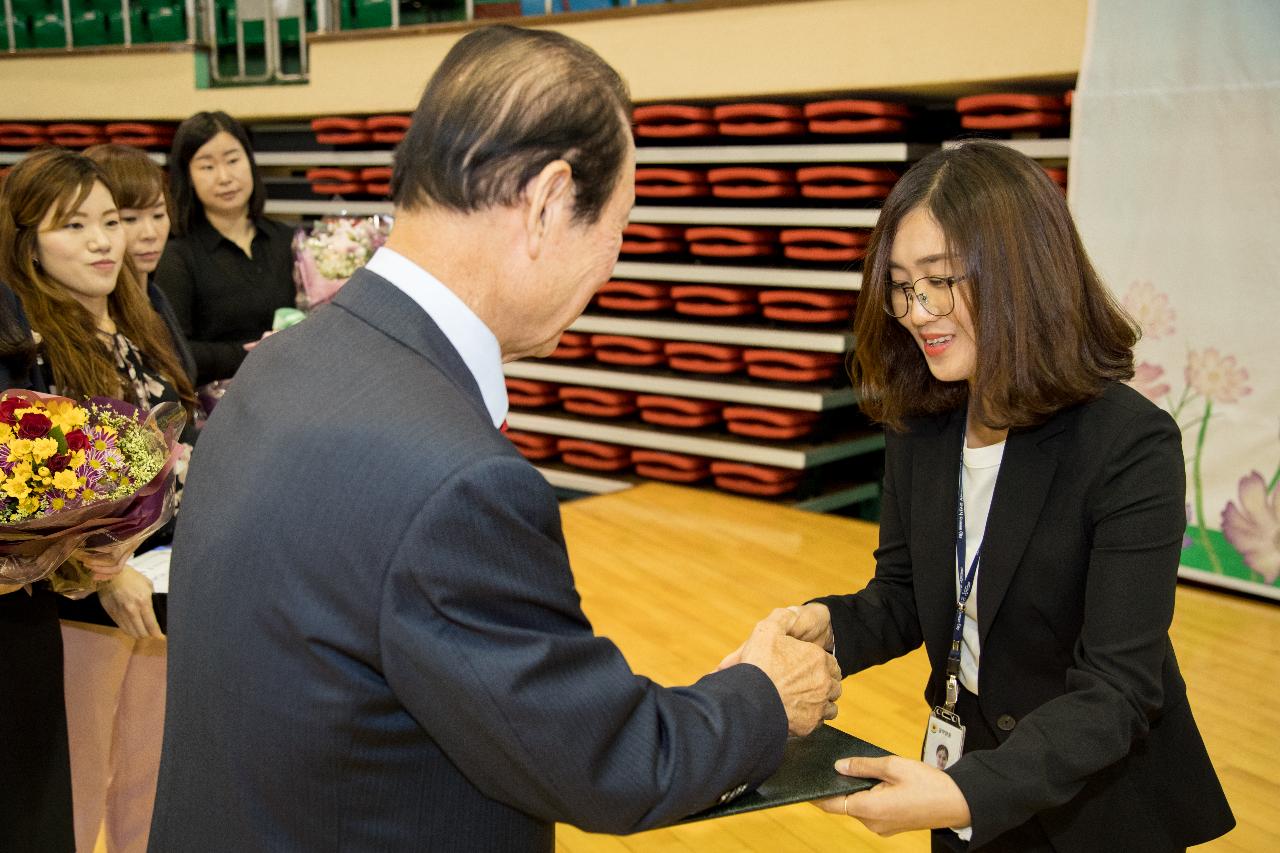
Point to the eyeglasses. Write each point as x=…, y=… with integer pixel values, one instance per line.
x=934, y=296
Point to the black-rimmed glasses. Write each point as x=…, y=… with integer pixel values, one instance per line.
x=934, y=295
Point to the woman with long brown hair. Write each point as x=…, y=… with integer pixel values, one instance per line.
x=65, y=252
x=1030, y=533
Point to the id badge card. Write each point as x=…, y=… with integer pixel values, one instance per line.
x=943, y=739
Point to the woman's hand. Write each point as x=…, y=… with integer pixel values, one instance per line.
x=249, y=345
x=812, y=625
x=911, y=795
x=127, y=600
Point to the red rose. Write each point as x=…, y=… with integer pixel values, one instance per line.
x=8, y=407
x=34, y=425
x=59, y=463
x=77, y=440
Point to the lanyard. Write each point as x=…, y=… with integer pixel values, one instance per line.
x=966, y=587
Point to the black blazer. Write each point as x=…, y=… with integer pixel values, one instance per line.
x=1075, y=597
x=375, y=642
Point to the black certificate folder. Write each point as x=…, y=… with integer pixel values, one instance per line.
x=807, y=773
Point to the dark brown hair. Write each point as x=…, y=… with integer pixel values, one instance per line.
x=1049, y=334
x=504, y=103
x=192, y=134
x=58, y=181
x=137, y=180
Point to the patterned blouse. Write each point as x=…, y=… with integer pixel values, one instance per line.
x=148, y=390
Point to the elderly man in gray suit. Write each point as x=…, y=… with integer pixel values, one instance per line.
x=375, y=639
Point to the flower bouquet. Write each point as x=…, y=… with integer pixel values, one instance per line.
x=334, y=248
x=86, y=481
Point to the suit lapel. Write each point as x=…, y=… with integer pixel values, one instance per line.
x=389, y=309
x=1026, y=473
x=935, y=473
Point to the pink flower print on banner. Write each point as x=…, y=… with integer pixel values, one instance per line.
x=1218, y=379
x=1146, y=381
x=1253, y=527
x=1150, y=308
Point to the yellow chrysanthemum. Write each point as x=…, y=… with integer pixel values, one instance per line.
x=57, y=504
x=77, y=459
x=43, y=448
x=16, y=487
x=6, y=433
x=66, y=415
x=28, y=505
x=20, y=447
x=67, y=481
x=23, y=470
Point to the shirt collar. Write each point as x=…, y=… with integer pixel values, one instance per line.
x=467, y=333
x=210, y=238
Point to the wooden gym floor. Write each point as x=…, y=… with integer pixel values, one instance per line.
x=678, y=577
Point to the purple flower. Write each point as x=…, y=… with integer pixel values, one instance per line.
x=1253, y=527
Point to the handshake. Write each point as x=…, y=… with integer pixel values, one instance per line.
x=793, y=647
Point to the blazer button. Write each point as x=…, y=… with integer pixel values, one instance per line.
x=1006, y=723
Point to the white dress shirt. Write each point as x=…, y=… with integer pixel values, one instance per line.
x=467, y=333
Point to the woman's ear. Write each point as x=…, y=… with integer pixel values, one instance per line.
x=548, y=199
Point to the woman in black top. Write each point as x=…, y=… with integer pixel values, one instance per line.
x=96, y=331
x=228, y=267
x=35, y=770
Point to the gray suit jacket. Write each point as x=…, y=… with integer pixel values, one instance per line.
x=375, y=641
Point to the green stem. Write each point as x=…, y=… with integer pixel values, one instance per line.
x=1182, y=401
x=1199, y=490
x=1275, y=478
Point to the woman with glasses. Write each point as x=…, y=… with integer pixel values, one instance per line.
x=1031, y=527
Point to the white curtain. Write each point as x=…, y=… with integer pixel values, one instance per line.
x=1175, y=183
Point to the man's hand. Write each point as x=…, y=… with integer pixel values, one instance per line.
x=912, y=795
x=806, y=677
x=812, y=625
x=127, y=600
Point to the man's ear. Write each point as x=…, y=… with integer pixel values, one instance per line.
x=548, y=203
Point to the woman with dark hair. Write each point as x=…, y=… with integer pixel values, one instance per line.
x=115, y=675
x=228, y=267
x=35, y=774
x=1030, y=533
x=65, y=254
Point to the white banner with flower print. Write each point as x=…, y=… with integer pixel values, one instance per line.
x=1175, y=184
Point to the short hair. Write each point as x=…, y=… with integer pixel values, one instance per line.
x=504, y=103
x=190, y=136
x=1049, y=333
x=136, y=180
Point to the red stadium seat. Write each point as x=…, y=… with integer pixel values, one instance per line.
x=634, y=296
x=716, y=241
x=760, y=120
x=748, y=479
x=695, y=357
x=679, y=412
x=856, y=117
x=672, y=467
x=787, y=366
x=627, y=351
x=673, y=121
x=597, y=402
x=713, y=300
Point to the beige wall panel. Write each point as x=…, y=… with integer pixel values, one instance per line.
x=727, y=50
